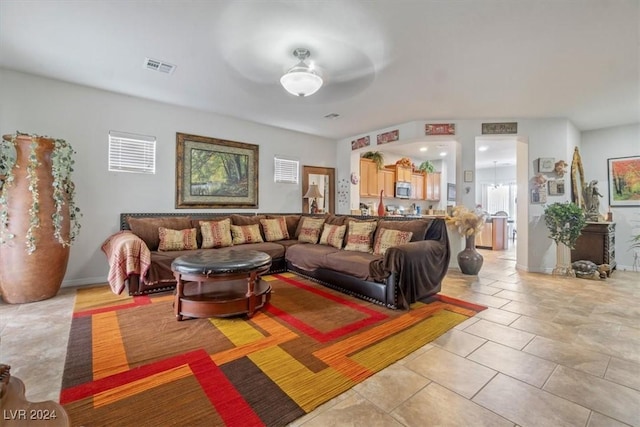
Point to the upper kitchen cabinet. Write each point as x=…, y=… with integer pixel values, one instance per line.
x=432, y=187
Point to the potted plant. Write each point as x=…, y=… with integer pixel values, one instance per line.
x=565, y=222
x=427, y=167
x=38, y=216
x=376, y=156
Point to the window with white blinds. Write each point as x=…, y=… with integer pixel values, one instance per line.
x=286, y=170
x=132, y=153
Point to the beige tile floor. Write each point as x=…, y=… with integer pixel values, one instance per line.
x=547, y=352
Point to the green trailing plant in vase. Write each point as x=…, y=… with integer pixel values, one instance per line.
x=565, y=222
x=39, y=218
x=376, y=156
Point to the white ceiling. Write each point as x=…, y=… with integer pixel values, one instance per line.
x=384, y=62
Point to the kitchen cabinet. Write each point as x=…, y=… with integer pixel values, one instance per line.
x=417, y=186
x=386, y=182
x=368, y=178
x=432, y=187
x=494, y=234
x=403, y=173
x=596, y=243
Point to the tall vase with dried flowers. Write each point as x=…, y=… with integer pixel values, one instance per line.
x=469, y=224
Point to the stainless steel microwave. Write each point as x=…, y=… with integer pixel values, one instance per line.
x=403, y=190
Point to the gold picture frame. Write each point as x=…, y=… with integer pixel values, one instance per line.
x=215, y=173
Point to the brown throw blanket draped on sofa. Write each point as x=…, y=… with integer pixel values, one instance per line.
x=419, y=267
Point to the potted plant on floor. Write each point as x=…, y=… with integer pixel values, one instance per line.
x=38, y=216
x=565, y=222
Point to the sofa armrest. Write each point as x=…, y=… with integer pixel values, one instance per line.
x=419, y=268
x=127, y=254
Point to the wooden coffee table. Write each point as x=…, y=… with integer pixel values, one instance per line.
x=220, y=283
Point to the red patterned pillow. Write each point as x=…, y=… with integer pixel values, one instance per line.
x=310, y=230
x=332, y=235
x=390, y=238
x=360, y=236
x=275, y=229
x=246, y=234
x=177, y=240
x=216, y=234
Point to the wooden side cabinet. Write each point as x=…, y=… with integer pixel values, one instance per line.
x=597, y=244
x=368, y=178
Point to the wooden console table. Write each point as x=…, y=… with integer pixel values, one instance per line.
x=220, y=283
x=597, y=244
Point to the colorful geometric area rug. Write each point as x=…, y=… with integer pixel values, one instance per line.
x=130, y=362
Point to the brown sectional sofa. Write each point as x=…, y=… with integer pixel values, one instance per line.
x=403, y=275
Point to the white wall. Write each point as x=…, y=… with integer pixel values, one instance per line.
x=598, y=146
x=83, y=116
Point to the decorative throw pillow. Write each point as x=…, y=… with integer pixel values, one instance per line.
x=310, y=230
x=390, y=238
x=275, y=229
x=147, y=227
x=332, y=235
x=246, y=234
x=177, y=240
x=216, y=234
x=360, y=236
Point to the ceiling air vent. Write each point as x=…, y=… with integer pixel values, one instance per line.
x=155, y=65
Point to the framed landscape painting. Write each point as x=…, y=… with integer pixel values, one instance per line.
x=624, y=181
x=214, y=173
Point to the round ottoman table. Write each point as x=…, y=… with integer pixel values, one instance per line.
x=220, y=282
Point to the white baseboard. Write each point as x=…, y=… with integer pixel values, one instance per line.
x=84, y=281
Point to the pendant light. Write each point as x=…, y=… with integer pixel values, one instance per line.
x=301, y=80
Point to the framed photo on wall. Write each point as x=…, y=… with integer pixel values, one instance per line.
x=556, y=187
x=451, y=192
x=214, y=173
x=624, y=181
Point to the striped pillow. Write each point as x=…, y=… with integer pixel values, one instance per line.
x=177, y=240
x=310, y=230
x=390, y=238
x=246, y=234
x=216, y=234
x=332, y=235
x=275, y=229
x=360, y=236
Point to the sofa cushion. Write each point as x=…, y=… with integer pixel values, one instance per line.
x=216, y=234
x=246, y=234
x=354, y=264
x=274, y=250
x=333, y=235
x=177, y=240
x=310, y=229
x=389, y=238
x=360, y=236
x=275, y=229
x=416, y=226
x=147, y=228
x=309, y=257
x=292, y=223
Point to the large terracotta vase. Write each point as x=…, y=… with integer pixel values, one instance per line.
x=28, y=277
x=469, y=259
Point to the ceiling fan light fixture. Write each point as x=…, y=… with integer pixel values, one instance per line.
x=301, y=80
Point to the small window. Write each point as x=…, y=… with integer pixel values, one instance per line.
x=286, y=171
x=132, y=153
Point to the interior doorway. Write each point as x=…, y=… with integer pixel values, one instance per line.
x=324, y=179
